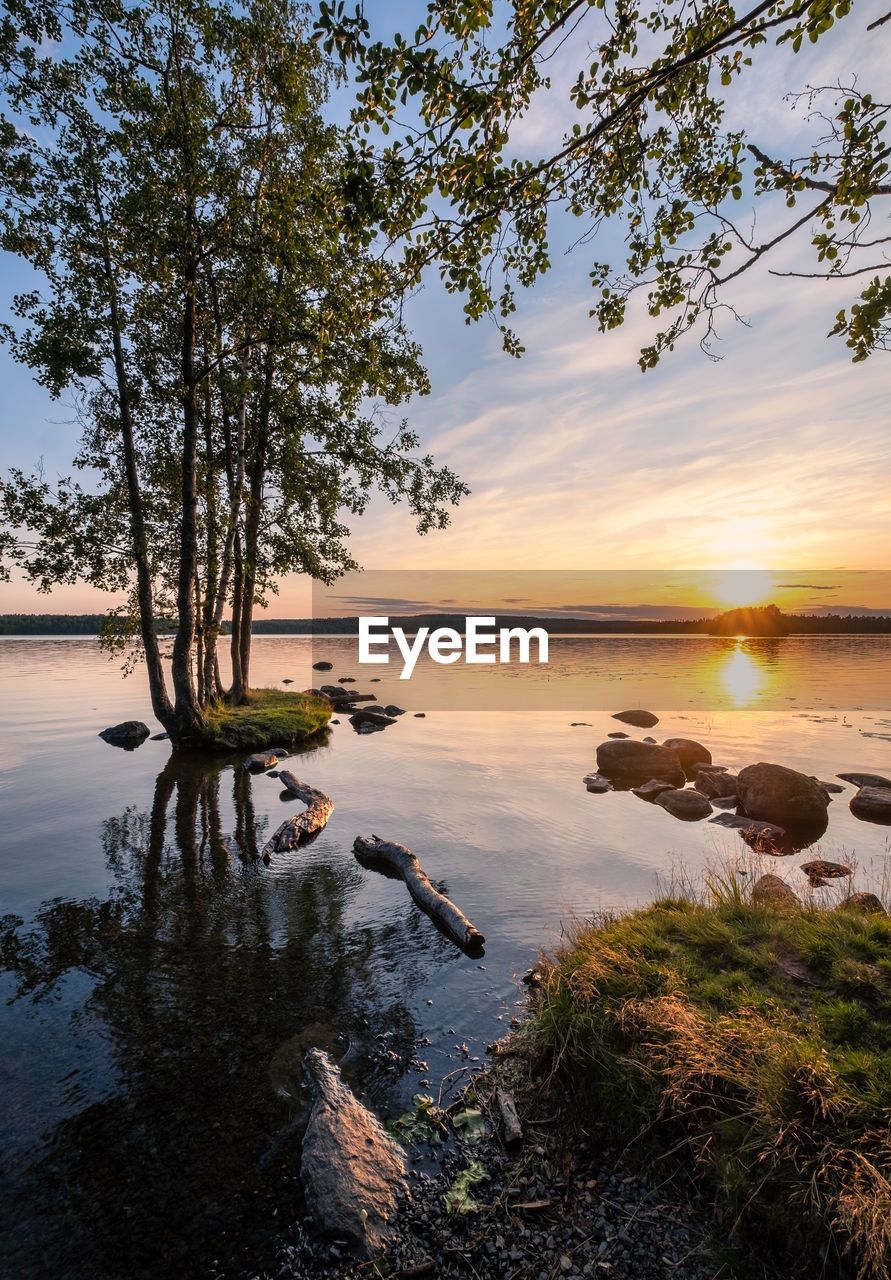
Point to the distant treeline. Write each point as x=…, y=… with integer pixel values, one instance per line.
x=90, y=624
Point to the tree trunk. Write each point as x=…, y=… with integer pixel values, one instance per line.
x=161, y=704
x=189, y=716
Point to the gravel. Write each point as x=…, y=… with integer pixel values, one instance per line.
x=558, y=1208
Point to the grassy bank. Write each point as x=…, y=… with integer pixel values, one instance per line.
x=752, y=1039
x=271, y=718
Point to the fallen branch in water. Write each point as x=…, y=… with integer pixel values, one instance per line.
x=293, y=831
x=405, y=864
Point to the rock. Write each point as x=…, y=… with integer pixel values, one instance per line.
x=872, y=804
x=723, y=802
x=353, y=1172
x=580, y=724
x=392, y=710
x=346, y=680
x=322, y=666
x=638, y=762
x=739, y=822
x=262, y=760
x=287, y=682
x=715, y=784
x=596, y=783
x=865, y=779
x=708, y=768
x=617, y=734
x=820, y=870
x=129, y=734
x=832, y=787
x=640, y=719
x=689, y=752
x=159, y=737
x=650, y=790
x=420, y=715
x=374, y=719
x=647, y=739
x=862, y=902
x=689, y=806
x=784, y=796
x=774, y=891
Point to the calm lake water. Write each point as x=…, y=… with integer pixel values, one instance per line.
x=159, y=982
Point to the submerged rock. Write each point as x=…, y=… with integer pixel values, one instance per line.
x=650, y=790
x=367, y=721
x=596, y=783
x=777, y=794
x=639, y=761
x=689, y=806
x=640, y=719
x=129, y=734
x=739, y=822
x=819, y=871
x=264, y=760
x=617, y=734
x=865, y=779
x=322, y=666
x=872, y=804
x=353, y=1172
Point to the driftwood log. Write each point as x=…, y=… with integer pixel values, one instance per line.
x=507, y=1107
x=319, y=808
x=439, y=908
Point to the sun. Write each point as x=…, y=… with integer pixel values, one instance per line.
x=740, y=587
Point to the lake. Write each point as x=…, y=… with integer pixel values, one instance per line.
x=160, y=982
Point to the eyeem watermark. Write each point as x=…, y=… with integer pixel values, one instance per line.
x=446, y=645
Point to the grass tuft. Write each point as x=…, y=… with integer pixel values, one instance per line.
x=270, y=718
x=758, y=1041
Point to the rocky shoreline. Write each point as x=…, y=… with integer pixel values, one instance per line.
x=564, y=1206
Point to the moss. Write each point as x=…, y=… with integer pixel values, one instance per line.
x=756, y=1042
x=270, y=718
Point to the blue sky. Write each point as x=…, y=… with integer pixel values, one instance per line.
x=778, y=455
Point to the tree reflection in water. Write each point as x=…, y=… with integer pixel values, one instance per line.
x=209, y=977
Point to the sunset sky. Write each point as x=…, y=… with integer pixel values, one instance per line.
x=778, y=455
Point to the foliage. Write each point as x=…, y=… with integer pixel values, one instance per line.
x=426, y=1123
x=470, y=1125
x=168, y=175
x=459, y=1198
x=758, y=1040
x=269, y=717
x=654, y=145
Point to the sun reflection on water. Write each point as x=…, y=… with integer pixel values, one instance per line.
x=742, y=676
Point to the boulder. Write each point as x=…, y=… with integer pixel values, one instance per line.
x=862, y=902
x=640, y=719
x=353, y=1172
x=639, y=761
x=774, y=892
x=715, y=784
x=392, y=710
x=689, y=806
x=129, y=734
x=322, y=666
x=689, y=752
x=872, y=804
x=596, y=783
x=777, y=794
x=650, y=790
x=865, y=779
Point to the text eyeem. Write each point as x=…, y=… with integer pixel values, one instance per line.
x=446, y=645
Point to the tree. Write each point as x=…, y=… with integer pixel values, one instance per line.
x=651, y=147
x=174, y=185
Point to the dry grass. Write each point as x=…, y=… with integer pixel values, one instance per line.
x=756, y=1041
